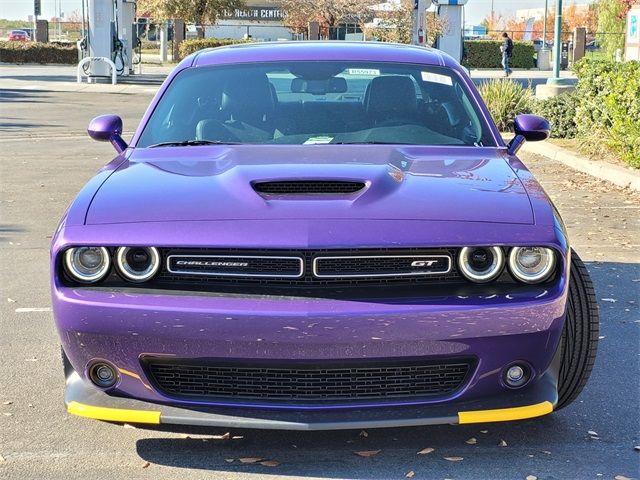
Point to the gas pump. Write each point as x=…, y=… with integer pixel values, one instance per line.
x=111, y=37
x=452, y=40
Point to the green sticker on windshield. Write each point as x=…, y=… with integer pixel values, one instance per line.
x=318, y=140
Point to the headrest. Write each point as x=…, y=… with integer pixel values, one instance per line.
x=391, y=94
x=248, y=98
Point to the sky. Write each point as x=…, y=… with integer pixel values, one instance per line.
x=475, y=10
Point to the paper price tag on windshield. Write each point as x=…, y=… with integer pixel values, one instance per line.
x=364, y=71
x=436, y=78
x=318, y=140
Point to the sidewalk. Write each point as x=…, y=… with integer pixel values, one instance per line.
x=63, y=77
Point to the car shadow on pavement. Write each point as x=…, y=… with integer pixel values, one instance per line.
x=384, y=453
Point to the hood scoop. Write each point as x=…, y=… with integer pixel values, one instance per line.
x=297, y=188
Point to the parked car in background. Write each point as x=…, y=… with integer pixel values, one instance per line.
x=319, y=235
x=18, y=36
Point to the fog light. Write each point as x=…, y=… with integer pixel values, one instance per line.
x=516, y=376
x=103, y=375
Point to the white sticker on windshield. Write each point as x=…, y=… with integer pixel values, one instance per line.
x=364, y=71
x=436, y=78
x=318, y=140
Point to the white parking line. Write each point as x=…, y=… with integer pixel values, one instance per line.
x=29, y=310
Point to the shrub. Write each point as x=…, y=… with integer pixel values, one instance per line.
x=505, y=99
x=486, y=54
x=561, y=113
x=187, y=47
x=36, y=52
x=608, y=114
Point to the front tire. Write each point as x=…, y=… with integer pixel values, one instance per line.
x=579, y=341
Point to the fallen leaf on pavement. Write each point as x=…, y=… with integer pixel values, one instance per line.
x=8, y=402
x=546, y=452
x=454, y=459
x=610, y=300
x=11, y=300
x=502, y=443
x=637, y=448
x=251, y=459
x=270, y=463
x=7, y=414
x=128, y=425
x=621, y=477
x=367, y=453
x=146, y=465
x=531, y=477
x=471, y=441
x=364, y=434
x=484, y=431
x=593, y=434
x=410, y=474
x=228, y=460
x=426, y=451
x=2, y=460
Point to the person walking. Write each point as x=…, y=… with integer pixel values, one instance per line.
x=507, y=50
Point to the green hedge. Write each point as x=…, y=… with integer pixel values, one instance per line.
x=561, y=113
x=486, y=54
x=608, y=114
x=187, y=47
x=34, y=52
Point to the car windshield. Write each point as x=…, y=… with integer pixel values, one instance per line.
x=316, y=103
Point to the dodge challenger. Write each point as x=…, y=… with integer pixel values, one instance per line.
x=318, y=235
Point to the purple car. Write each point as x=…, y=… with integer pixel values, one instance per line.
x=318, y=236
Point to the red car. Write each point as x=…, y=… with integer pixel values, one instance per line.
x=18, y=36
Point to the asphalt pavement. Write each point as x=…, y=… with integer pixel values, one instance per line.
x=45, y=158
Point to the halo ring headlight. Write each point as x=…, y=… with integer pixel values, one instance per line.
x=531, y=264
x=481, y=264
x=137, y=264
x=87, y=264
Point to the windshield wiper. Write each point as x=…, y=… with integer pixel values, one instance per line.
x=192, y=143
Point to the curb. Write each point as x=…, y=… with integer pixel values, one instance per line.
x=621, y=176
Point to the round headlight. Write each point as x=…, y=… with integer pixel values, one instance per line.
x=138, y=264
x=481, y=264
x=531, y=264
x=87, y=264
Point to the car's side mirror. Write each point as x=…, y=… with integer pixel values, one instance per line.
x=108, y=128
x=528, y=127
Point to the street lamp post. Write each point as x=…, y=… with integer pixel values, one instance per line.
x=544, y=25
x=557, y=41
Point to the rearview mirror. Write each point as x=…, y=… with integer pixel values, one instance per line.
x=528, y=127
x=319, y=87
x=108, y=128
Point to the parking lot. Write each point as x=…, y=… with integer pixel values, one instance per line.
x=45, y=159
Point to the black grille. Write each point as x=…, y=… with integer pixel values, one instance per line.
x=381, y=265
x=299, y=383
x=308, y=187
x=385, y=272
x=236, y=266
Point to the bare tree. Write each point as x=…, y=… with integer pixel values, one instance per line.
x=396, y=24
x=328, y=13
x=197, y=12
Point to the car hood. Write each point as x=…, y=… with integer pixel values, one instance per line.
x=217, y=183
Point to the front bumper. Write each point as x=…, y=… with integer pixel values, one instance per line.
x=86, y=401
